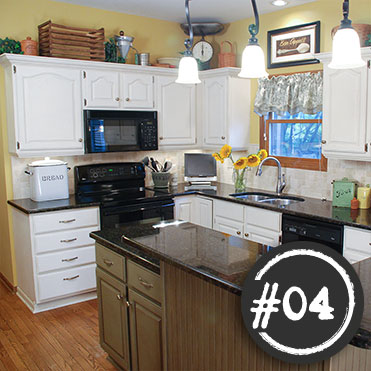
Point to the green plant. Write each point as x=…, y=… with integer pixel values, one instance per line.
x=10, y=46
x=111, y=52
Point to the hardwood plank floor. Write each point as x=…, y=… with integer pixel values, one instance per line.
x=61, y=339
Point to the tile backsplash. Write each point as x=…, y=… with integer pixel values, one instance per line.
x=300, y=182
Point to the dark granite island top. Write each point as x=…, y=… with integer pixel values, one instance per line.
x=221, y=259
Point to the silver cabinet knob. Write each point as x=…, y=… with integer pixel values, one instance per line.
x=127, y=99
x=223, y=138
x=80, y=140
x=323, y=141
x=161, y=138
x=117, y=99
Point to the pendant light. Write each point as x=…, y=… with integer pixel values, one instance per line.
x=188, y=68
x=253, y=61
x=346, y=49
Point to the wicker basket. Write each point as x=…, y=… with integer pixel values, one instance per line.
x=227, y=59
x=363, y=31
x=71, y=42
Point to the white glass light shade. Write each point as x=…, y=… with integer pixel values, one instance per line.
x=188, y=71
x=253, y=63
x=346, y=50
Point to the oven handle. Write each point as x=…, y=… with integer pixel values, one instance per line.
x=131, y=209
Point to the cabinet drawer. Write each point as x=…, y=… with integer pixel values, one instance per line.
x=262, y=235
x=355, y=256
x=358, y=240
x=228, y=210
x=63, y=240
x=65, y=259
x=260, y=217
x=67, y=282
x=61, y=220
x=111, y=262
x=145, y=281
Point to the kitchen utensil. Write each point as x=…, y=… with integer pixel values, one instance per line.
x=145, y=162
x=302, y=48
x=364, y=197
x=343, y=192
x=160, y=167
x=124, y=43
x=153, y=164
x=144, y=59
x=48, y=180
x=168, y=165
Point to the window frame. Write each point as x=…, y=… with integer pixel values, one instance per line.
x=290, y=162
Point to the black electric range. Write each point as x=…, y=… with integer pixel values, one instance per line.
x=120, y=190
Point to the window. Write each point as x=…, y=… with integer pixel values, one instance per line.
x=294, y=139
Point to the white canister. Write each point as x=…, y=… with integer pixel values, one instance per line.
x=48, y=180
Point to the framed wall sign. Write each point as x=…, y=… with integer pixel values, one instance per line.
x=293, y=46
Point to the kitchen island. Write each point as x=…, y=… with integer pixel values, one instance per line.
x=178, y=288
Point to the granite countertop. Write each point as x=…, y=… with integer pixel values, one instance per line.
x=222, y=259
x=312, y=208
x=28, y=206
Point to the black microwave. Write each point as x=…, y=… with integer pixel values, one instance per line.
x=118, y=131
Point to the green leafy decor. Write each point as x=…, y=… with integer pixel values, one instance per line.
x=111, y=52
x=10, y=46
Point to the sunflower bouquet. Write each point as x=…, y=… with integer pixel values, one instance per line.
x=241, y=164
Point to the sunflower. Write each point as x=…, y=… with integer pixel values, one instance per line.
x=226, y=151
x=262, y=154
x=241, y=163
x=218, y=157
x=253, y=160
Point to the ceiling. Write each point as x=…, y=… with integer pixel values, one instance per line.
x=223, y=11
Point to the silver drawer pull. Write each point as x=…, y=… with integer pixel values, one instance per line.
x=108, y=262
x=71, y=240
x=71, y=278
x=70, y=259
x=67, y=221
x=145, y=283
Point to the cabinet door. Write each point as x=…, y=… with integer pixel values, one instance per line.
x=146, y=337
x=228, y=226
x=215, y=100
x=184, y=208
x=344, y=112
x=137, y=90
x=48, y=111
x=203, y=212
x=101, y=89
x=177, y=112
x=113, y=318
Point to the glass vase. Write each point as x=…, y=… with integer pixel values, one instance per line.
x=239, y=179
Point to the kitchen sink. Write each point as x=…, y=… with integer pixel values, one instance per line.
x=281, y=201
x=267, y=198
x=252, y=196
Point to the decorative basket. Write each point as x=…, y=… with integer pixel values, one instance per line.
x=160, y=180
x=363, y=31
x=71, y=42
x=227, y=59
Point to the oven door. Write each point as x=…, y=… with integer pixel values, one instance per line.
x=139, y=212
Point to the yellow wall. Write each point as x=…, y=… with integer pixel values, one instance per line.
x=329, y=12
x=20, y=19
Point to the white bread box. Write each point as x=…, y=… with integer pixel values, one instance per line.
x=48, y=180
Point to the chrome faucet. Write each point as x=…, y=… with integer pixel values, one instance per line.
x=281, y=184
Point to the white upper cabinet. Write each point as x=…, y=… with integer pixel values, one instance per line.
x=347, y=111
x=44, y=110
x=137, y=90
x=225, y=109
x=101, y=89
x=176, y=111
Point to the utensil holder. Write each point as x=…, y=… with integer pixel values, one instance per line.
x=160, y=180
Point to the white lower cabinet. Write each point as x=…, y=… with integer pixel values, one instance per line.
x=203, y=214
x=357, y=244
x=228, y=217
x=184, y=209
x=263, y=226
x=55, y=257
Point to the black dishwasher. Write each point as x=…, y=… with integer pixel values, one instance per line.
x=296, y=228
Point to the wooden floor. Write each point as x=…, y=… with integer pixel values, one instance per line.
x=59, y=339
